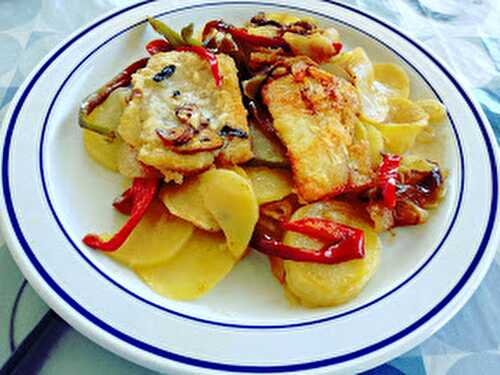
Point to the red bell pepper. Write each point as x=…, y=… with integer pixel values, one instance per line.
x=140, y=195
x=242, y=35
x=343, y=243
x=124, y=202
x=343, y=251
x=321, y=229
x=158, y=45
x=209, y=56
x=337, y=46
x=388, y=178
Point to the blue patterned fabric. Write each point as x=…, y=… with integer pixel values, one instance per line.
x=466, y=33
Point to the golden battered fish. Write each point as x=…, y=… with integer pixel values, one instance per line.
x=179, y=121
x=314, y=114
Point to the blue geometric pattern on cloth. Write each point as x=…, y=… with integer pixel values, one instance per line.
x=400, y=366
x=465, y=33
x=480, y=363
x=12, y=49
x=476, y=327
x=17, y=13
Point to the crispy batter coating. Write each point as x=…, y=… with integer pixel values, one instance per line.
x=314, y=114
x=185, y=99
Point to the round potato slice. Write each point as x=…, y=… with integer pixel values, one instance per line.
x=129, y=166
x=232, y=202
x=412, y=162
x=104, y=119
x=314, y=284
x=404, y=122
x=376, y=144
x=201, y=263
x=404, y=111
x=283, y=18
x=157, y=238
x=102, y=149
x=270, y=184
x=391, y=80
x=333, y=68
x=238, y=170
x=399, y=138
x=266, y=151
x=186, y=201
x=435, y=110
x=267, y=31
x=358, y=66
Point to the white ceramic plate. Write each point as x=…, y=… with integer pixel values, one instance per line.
x=53, y=194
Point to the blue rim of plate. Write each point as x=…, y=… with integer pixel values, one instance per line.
x=230, y=367
x=234, y=325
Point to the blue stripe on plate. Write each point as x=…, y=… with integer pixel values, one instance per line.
x=229, y=367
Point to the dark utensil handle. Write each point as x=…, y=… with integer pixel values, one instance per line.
x=35, y=348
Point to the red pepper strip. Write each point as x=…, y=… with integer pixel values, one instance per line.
x=388, y=178
x=121, y=80
x=240, y=34
x=209, y=56
x=337, y=46
x=257, y=40
x=321, y=229
x=125, y=202
x=143, y=191
x=158, y=45
x=345, y=250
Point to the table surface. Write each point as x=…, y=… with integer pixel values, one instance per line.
x=466, y=33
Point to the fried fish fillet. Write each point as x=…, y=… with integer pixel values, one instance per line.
x=314, y=115
x=175, y=95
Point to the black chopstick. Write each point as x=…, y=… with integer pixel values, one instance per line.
x=35, y=348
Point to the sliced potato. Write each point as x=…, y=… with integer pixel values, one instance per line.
x=238, y=170
x=267, y=151
x=186, y=201
x=104, y=119
x=411, y=162
x=404, y=111
x=318, y=45
x=100, y=125
x=399, y=138
x=391, y=80
x=435, y=110
x=403, y=124
x=270, y=184
x=201, y=263
x=127, y=162
x=316, y=284
x=369, y=135
x=269, y=31
x=130, y=167
x=282, y=18
x=232, y=202
x=157, y=238
x=376, y=144
x=358, y=66
x=102, y=149
x=333, y=68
